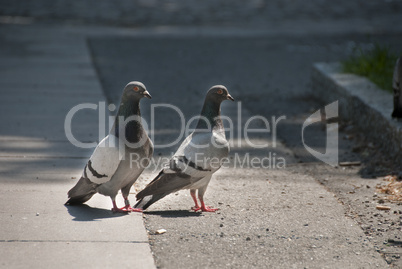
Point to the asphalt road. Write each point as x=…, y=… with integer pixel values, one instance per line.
x=237, y=13
x=268, y=75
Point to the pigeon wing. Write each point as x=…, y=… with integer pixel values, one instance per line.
x=104, y=161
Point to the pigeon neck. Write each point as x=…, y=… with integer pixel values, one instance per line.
x=210, y=116
x=128, y=120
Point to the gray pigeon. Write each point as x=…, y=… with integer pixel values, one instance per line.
x=198, y=157
x=397, y=86
x=108, y=169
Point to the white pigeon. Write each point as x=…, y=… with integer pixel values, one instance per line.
x=199, y=156
x=109, y=168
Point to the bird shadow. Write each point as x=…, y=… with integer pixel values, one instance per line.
x=87, y=213
x=174, y=213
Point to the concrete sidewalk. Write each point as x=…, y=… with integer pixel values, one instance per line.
x=45, y=71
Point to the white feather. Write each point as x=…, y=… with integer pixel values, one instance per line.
x=105, y=159
x=205, y=150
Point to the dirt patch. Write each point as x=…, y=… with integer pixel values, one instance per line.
x=393, y=189
x=370, y=192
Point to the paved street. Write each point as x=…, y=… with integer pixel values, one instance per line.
x=303, y=214
x=344, y=15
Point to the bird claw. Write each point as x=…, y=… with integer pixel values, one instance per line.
x=126, y=209
x=204, y=209
x=208, y=209
x=119, y=210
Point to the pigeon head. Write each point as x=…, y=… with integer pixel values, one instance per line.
x=136, y=90
x=211, y=109
x=218, y=93
x=130, y=106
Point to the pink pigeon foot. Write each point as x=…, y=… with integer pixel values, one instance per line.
x=118, y=210
x=128, y=208
x=204, y=208
x=208, y=209
x=125, y=209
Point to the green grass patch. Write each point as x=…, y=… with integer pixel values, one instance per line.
x=376, y=64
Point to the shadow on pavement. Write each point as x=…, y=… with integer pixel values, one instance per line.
x=174, y=213
x=87, y=213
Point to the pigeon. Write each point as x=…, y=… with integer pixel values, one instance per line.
x=109, y=168
x=397, y=86
x=198, y=157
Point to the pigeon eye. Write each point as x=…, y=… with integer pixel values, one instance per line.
x=219, y=91
x=136, y=88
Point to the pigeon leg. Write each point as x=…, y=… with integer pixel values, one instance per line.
x=115, y=209
x=196, y=207
x=128, y=208
x=204, y=208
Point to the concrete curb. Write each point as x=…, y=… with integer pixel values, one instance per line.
x=362, y=102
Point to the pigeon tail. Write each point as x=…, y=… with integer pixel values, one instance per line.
x=81, y=192
x=147, y=201
x=163, y=184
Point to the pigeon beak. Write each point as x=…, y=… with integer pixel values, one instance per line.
x=147, y=95
x=229, y=97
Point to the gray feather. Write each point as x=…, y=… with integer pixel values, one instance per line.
x=81, y=192
x=147, y=201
